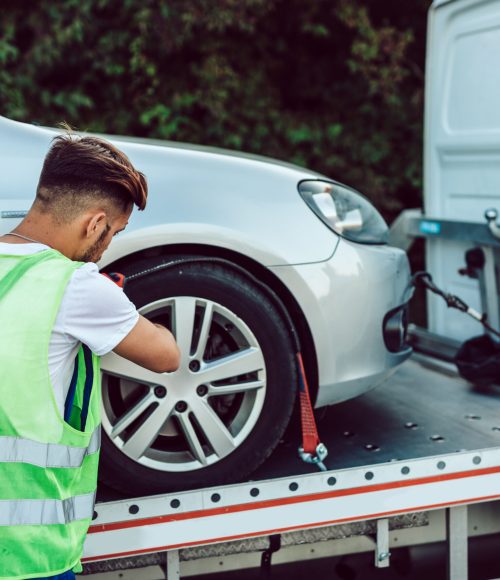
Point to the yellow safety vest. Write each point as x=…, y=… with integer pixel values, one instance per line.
x=48, y=467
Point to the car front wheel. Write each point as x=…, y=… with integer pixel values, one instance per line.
x=220, y=415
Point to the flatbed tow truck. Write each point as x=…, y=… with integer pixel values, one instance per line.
x=415, y=461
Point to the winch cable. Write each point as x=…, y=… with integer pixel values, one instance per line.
x=452, y=301
x=312, y=450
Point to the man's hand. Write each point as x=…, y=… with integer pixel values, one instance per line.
x=150, y=345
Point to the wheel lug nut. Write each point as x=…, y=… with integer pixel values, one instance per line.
x=194, y=366
x=202, y=390
x=160, y=391
x=181, y=406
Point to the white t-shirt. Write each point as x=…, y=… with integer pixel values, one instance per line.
x=94, y=310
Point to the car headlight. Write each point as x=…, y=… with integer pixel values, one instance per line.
x=345, y=211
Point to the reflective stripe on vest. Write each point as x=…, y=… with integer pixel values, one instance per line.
x=32, y=512
x=17, y=450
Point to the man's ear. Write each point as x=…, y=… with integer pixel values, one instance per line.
x=95, y=223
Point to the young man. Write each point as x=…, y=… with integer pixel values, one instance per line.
x=58, y=315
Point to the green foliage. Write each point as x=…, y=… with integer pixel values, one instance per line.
x=335, y=85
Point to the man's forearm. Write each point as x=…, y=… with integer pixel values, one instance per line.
x=174, y=350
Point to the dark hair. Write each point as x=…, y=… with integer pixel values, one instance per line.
x=79, y=172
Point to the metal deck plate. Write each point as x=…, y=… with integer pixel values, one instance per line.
x=422, y=410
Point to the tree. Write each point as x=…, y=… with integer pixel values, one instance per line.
x=336, y=85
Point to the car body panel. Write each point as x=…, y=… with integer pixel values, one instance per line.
x=259, y=200
x=199, y=234
x=344, y=300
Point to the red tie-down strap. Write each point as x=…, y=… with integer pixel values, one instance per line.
x=312, y=450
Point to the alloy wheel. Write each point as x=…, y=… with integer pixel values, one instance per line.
x=201, y=413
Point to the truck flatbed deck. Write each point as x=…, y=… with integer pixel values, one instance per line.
x=423, y=440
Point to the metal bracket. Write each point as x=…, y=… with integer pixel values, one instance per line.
x=491, y=216
x=410, y=224
x=317, y=459
x=382, y=554
x=457, y=536
x=489, y=287
x=265, y=561
x=173, y=565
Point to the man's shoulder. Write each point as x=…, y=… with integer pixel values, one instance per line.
x=95, y=310
x=87, y=276
x=86, y=269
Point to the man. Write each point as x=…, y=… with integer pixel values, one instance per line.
x=58, y=315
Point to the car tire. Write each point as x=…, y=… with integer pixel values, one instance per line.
x=244, y=318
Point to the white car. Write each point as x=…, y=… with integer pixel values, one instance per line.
x=265, y=258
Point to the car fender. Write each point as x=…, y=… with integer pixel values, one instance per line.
x=200, y=234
